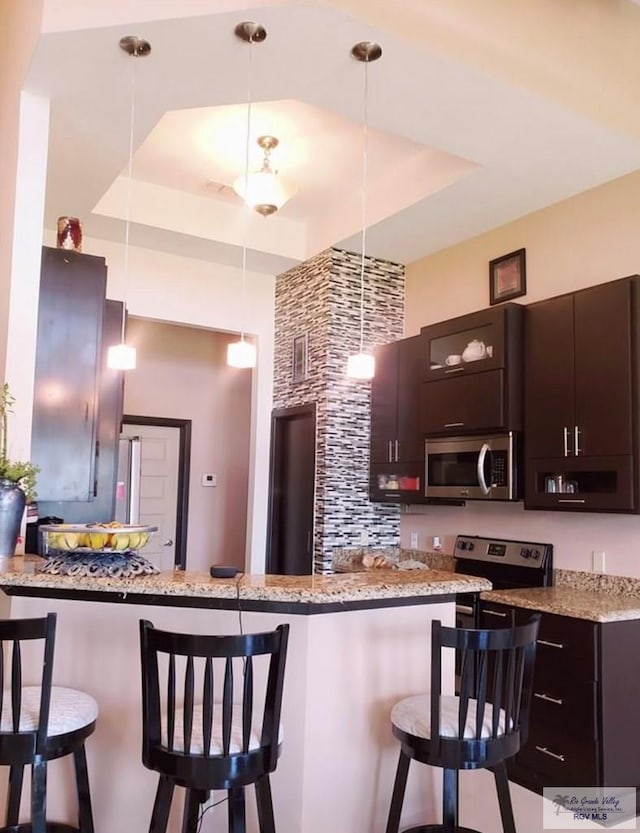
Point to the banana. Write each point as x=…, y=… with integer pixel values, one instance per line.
x=71, y=540
x=134, y=540
x=97, y=540
x=121, y=542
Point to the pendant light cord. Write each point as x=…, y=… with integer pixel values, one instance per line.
x=246, y=185
x=365, y=137
x=127, y=221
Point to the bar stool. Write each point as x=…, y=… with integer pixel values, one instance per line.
x=481, y=728
x=39, y=724
x=223, y=732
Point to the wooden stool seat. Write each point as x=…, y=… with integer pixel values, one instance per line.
x=207, y=724
x=480, y=728
x=39, y=723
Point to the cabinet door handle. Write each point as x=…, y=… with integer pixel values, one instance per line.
x=455, y=370
x=453, y=424
x=557, y=701
x=548, y=752
x=495, y=613
x=571, y=500
x=576, y=440
x=550, y=644
x=397, y=451
x=390, y=453
x=565, y=433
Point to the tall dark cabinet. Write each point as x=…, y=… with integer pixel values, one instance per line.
x=77, y=400
x=397, y=445
x=581, y=392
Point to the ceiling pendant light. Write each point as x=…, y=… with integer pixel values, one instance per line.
x=362, y=365
x=122, y=356
x=242, y=353
x=264, y=190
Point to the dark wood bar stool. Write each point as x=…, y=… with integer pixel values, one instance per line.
x=39, y=723
x=206, y=725
x=481, y=728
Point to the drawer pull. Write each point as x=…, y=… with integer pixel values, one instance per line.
x=550, y=644
x=465, y=609
x=571, y=500
x=546, y=751
x=453, y=424
x=548, y=699
x=495, y=613
x=455, y=370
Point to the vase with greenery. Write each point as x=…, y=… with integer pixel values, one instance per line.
x=17, y=482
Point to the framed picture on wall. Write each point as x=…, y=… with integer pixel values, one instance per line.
x=300, y=357
x=507, y=277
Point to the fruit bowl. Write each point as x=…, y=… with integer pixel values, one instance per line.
x=95, y=538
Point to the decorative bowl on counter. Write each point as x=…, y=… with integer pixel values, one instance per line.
x=105, y=539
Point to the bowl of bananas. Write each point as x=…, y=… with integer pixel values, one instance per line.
x=97, y=538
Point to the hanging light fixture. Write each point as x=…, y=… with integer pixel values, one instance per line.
x=123, y=356
x=242, y=353
x=264, y=190
x=361, y=365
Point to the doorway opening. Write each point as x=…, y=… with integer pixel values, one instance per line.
x=292, y=491
x=164, y=481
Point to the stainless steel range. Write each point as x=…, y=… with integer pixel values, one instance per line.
x=504, y=563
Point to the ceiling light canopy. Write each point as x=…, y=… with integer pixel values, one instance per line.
x=264, y=190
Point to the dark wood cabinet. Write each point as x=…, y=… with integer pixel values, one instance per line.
x=585, y=688
x=397, y=445
x=472, y=373
x=77, y=400
x=581, y=399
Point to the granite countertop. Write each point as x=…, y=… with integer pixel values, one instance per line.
x=591, y=603
x=20, y=574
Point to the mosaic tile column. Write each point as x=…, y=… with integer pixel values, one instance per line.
x=321, y=298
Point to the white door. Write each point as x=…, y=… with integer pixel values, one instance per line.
x=160, y=452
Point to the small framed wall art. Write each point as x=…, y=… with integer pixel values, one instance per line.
x=300, y=357
x=507, y=277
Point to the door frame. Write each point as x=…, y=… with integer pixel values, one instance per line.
x=278, y=417
x=184, y=467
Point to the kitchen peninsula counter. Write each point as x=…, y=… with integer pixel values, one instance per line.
x=369, y=648
x=269, y=593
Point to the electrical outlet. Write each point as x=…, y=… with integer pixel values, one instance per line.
x=209, y=480
x=414, y=541
x=597, y=558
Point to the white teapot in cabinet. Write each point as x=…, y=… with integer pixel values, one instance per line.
x=474, y=351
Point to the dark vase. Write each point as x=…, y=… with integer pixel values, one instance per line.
x=12, y=502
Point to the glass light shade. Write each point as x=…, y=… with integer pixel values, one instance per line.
x=263, y=190
x=361, y=366
x=121, y=357
x=241, y=354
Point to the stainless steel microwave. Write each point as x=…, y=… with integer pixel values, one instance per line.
x=477, y=468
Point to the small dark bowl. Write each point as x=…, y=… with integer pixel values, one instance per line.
x=223, y=571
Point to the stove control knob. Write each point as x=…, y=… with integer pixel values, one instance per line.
x=535, y=554
x=466, y=545
x=525, y=553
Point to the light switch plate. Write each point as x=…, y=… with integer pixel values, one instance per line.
x=209, y=480
x=598, y=563
x=413, y=543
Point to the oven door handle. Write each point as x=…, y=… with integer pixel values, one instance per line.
x=465, y=609
x=481, y=458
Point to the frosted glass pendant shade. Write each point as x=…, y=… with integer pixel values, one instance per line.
x=264, y=191
x=361, y=366
x=241, y=354
x=121, y=357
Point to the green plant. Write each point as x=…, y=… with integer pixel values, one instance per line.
x=17, y=471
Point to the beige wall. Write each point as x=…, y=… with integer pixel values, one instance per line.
x=19, y=31
x=586, y=240
x=182, y=373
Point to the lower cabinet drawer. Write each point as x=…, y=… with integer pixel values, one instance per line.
x=566, y=705
x=562, y=760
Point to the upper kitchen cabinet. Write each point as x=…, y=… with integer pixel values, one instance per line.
x=67, y=374
x=472, y=373
x=581, y=399
x=397, y=446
